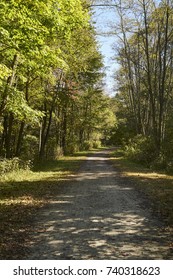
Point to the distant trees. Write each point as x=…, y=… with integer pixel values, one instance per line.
x=145, y=78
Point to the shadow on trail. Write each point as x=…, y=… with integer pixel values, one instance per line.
x=97, y=215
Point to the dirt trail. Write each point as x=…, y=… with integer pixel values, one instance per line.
x=98, y=215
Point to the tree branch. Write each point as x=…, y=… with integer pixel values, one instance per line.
x=103, y=5
x=107, y=5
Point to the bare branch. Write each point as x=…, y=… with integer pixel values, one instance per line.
x=103, y=5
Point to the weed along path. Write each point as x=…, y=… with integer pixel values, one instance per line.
x=98, y=215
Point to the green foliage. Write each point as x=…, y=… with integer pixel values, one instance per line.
x=15, y=164
x=30, y=147
x=144, y=83
x=121, y=133
x=58, y=152
x=51, y=97
x=91, y=144
x=141, y=149
x=71, y=148
x=21, y=110
x=97, y=144
x=160, y=163
x=166, y=159
x=87, y=145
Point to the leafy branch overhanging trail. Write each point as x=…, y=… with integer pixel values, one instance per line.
x=51, y=70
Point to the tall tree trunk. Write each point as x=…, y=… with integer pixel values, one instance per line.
x=42, y=133
x=8, y=125
x=64, y=131
x=149, y=77
x=45, y=134
x=19, y=140
x=22, y=124
x=163, y=66
x=9, y=84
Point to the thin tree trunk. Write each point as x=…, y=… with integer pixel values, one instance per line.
x=20, y=138
x=9, y=83
x=8, y=122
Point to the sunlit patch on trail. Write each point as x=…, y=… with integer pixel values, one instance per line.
x=97, y=158
x=98, y=215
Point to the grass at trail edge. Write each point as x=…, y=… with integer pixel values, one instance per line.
x=157, y=187
x=22, y=193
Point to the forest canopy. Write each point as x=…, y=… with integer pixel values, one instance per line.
x=51, y=98
x=144, y=80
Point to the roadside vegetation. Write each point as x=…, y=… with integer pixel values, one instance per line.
x=156, y=187
x=144, y=83
x=53, y=103
x=144, y=100
x=22, y=193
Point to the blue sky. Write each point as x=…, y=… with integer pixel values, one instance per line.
x=103, y=18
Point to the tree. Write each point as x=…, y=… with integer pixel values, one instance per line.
x=145, y=76
x=31, y=50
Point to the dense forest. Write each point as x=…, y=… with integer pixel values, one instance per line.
x=86, y=173
x=145, y=80
x=52, y=99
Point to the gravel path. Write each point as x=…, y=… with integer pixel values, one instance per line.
x=98, y=215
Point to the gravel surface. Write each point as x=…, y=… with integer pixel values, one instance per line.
x=98, y=215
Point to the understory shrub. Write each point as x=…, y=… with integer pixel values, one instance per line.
x=30, y=147
x=87, y=145
x=169, y=166
x=159, y=163
x=96, y=144
x=168, y=148
x=90, y=144
x=15, y=164
x=58, y=152
x=141, y=149
x=71, y=148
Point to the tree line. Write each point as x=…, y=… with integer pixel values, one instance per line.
x=145, y=79
x=51, y=97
